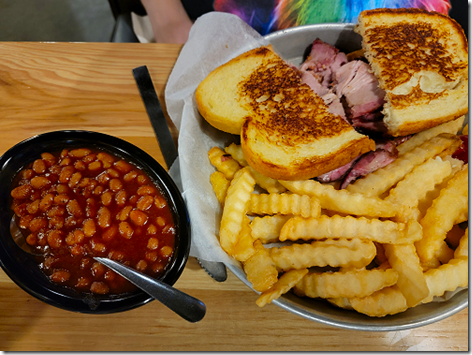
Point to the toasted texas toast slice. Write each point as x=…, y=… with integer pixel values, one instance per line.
x=289, y=133
x=421, y=61
x=218, y=97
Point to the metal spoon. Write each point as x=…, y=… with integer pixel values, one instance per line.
x=186, y=306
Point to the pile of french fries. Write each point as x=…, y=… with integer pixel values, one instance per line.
x=388, y=242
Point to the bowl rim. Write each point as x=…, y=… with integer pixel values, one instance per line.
x=359, y=322
x=60, y=296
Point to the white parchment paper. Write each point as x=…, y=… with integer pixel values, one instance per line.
x=214, y=39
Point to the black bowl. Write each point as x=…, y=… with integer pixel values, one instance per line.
x=22, y=267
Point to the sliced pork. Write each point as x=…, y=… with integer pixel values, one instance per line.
x=323, y=61
x=351, y=91
x=383, y=155
x=334, y=103
x=314, y=83
x=348, y=88
x=318, y=73
x=337, y=174
x=359, y=87
x=370, y=123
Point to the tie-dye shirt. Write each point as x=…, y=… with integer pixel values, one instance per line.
x=271, y=15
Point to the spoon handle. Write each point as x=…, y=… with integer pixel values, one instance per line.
x=186, y=306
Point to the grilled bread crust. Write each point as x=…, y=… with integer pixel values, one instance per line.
x=217, y=96
x=291, y=135
x=421, y=61
x=287, y=131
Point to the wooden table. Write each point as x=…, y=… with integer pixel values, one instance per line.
x=52, y=86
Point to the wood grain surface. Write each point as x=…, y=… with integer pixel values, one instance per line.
x=55, y=86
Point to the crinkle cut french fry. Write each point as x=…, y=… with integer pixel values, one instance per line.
x=411, y=281
x=465, y=130
x=376, y=230
x=341, y=302
x=342, y=200
x=456, y=164
x=451, y=149
x=237, y=153
x=462, y=251
x=423, y=178
x=220, y=185
x=447, y=277
x=355, y=283
x=260, y=269
x=451, y=127
x=223, y=162
x=387, y=301
x=462, y=216
x=244, y=247
x=283, y=285
x=441, y=216
x=333, y=252
x=379, y=181
x=267, y=183
x=341, y=236
x=286, y=204
x=267, y=228
x=430, y=264
x=427, y=201
x=444, y=253
x=235, y=208
x=442, y=256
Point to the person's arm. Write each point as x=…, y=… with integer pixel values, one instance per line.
x=169, y=20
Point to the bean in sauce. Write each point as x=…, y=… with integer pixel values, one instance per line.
x=86, y=202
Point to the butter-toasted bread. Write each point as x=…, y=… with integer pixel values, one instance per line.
x=287, y=131
x=218, y=98
x=421, y=61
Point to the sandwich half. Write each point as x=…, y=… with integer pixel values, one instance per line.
x=421, y=61
x=287, y=131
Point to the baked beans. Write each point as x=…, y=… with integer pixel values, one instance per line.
x=85, y=202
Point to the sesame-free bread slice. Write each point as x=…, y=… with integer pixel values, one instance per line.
x=421, y=61
x=290, y=133
x=286, y=129
x=217, y=96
